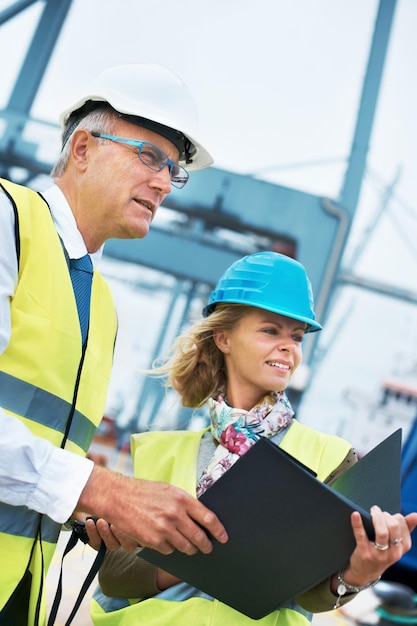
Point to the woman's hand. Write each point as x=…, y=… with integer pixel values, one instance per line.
x=370, y=559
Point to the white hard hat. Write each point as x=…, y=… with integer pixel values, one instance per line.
x=150, y=96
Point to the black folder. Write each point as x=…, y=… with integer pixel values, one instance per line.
x=287, y=530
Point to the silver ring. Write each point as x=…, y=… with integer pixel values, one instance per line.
x=395, y=542
x=379, y=546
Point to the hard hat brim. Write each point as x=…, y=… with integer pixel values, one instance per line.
x=313, y=326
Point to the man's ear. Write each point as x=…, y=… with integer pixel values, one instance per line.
x=80, y=142
x=221, y=340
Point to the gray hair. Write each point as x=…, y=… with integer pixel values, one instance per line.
x=101, y=120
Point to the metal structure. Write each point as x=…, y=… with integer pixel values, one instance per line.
x=219, y=216
x=14, y=150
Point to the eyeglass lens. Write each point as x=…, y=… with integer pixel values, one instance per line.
x=154, y=158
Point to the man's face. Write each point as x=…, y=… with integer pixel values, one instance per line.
x=124, y=194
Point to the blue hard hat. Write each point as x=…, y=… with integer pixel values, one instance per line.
x=270, y=281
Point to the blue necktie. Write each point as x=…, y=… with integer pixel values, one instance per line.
x=81, y=272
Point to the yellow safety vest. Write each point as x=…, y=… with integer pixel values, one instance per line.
x=46, y=380
x=171, y=456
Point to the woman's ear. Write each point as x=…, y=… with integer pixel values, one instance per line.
x=221, y=340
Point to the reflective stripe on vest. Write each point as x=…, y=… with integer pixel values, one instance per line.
x=17, y=520
x=44, y=408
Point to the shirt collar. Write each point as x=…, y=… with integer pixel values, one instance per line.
x=66, y=225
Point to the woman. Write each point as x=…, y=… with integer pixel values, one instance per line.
x=239, y=360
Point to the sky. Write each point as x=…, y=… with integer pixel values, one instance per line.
x=278, y=87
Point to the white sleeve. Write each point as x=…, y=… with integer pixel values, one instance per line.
x=33, y=472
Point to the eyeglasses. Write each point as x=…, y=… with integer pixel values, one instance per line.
x=153, y=157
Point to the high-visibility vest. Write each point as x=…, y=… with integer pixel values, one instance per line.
x=171, y=456
x=46, y=379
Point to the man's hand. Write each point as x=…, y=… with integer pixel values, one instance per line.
x=99, y=530
x=151, y=514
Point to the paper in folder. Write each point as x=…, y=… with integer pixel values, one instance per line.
x=287, y=530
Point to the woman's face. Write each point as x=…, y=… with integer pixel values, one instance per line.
x=261, y=354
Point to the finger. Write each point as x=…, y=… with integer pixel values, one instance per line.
x=411, y=521
x=379, y=521
x=106, y=534
x=205, y=520
x=194, y=528
x=186, y=537
x=127, y=542
x=93, y=534
x=359, y=532
x=191, y=538
x=182, y=537
x=397, y=529
x=400, y=537
x=179, y=541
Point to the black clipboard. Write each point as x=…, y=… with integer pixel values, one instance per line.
x=287, y=530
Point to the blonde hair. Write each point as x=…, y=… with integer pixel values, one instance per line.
x=195, y=366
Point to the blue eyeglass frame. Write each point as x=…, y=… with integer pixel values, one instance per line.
x=183, y=175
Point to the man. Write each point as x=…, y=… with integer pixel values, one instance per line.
x=126, y=141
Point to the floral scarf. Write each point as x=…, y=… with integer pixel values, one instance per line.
x=236, y=430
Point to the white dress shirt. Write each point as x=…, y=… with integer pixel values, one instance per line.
x=33, y=472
